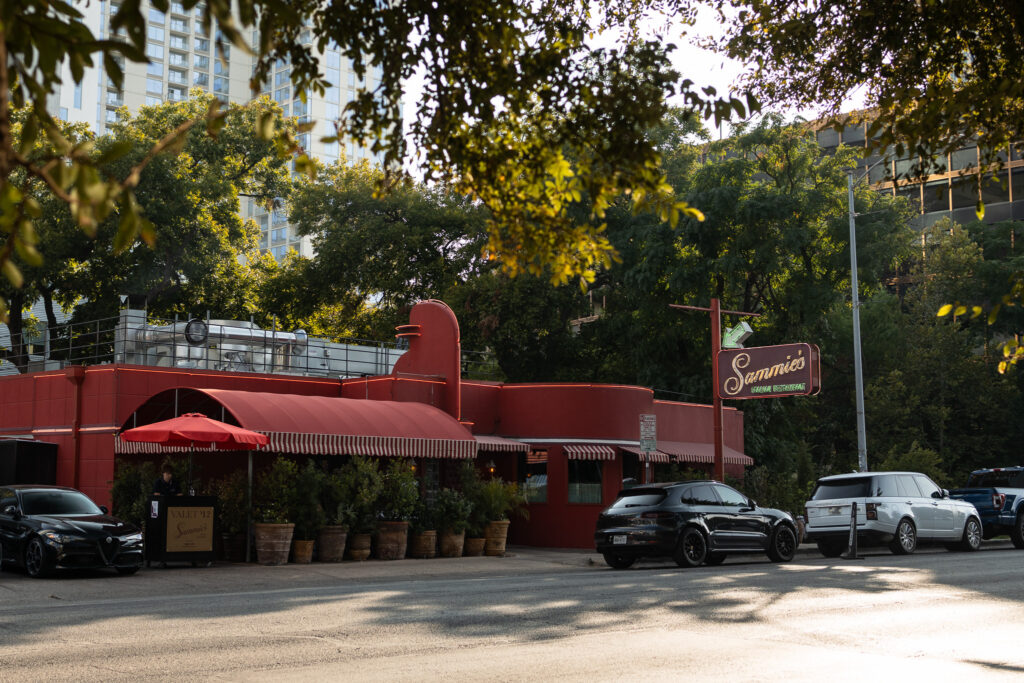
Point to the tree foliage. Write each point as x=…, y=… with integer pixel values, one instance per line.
x=937, y=76
x=519, y=112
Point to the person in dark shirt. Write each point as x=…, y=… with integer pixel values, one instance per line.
x=165, y=485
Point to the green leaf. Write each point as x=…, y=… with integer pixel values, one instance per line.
x=12, y=273
x=265, y=125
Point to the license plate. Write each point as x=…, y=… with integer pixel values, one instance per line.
x=836, y=510
x=618, y=540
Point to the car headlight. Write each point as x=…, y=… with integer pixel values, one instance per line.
x=55, y=536
x=132, y=538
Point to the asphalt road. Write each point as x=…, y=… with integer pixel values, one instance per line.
x=535, y=616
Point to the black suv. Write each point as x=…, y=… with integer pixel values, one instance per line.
x=694, y=523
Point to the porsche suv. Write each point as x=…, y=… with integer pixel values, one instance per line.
x=693, y=522
x=898, y=509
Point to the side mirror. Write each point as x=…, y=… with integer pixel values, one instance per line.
x=945, y=493
x=940, y=494
x=103, y=509
x=11, y=511
x=751, y=502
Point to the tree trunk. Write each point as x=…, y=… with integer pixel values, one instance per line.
x=16, y=326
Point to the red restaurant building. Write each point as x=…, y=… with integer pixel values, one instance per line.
x=571, y=445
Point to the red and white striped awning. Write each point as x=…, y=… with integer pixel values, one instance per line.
x=688, y=451
x=655, y=456
x=323, y=425
x=588, y=451
x=487, y=442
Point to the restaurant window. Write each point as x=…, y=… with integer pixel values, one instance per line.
x=585, y=481
x=533, y=475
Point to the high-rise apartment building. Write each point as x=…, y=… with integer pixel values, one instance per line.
x=951, y=191
x=182, y=56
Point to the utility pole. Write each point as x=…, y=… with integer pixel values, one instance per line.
x=862, y=445
x=716, y=346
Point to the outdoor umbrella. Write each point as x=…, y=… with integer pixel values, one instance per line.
x=196, y=430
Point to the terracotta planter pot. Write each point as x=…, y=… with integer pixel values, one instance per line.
x=302, y=551
x=451, y=543
x=330, y=543
x=391, y=540
x=423, y=546
x=232, y=547
x=273, y=541
x=358, y=547
x=474, y=547
x=495, y=536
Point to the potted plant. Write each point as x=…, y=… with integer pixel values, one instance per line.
x=232, y=506
x=398, y=497
x=330, y=542
x=272, y=528
x=498, y=499
x=472, y=488
x=359, y=489
x=452, y=513
x=423, y=530
x=306, y=511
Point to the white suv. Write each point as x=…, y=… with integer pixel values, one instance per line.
x=897, y=508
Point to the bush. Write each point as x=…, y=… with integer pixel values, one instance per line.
x=332, y=499
x=232, y=499
x=304, y=505
x=360, y=488
x=452, y=511
x=424, y=518
x=274, y=492
x=400, y=491
x=498, y=499
x=130, y=491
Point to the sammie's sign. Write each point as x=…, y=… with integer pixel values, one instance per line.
x=766, y=371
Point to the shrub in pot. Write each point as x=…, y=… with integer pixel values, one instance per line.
x=399, y=494
x=452, y=514
x=423, y=530
x=472, y=488
x=272, y=497
x=306, y=511
x=498, y=499
x=232, y=505
x=359, y=489
x=330, y=541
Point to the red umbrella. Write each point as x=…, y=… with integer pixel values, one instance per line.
x=195, y=429
x=192, y=429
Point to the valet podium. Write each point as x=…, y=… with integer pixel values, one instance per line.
x=181, y=529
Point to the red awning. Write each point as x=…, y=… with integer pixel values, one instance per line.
x=655, y=456
x=322, y=425
x=486, y=442
x=687, y=451
x=588, y=451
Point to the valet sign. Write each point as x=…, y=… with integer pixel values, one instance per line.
x=769, y=371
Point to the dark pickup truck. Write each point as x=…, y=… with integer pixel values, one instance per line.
x=998, y=494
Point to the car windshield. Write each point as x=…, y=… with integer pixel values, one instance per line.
x=57, y=503
x=1005, y=479
x=842, y=488
x=638, y=498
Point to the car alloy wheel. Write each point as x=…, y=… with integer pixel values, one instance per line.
x=905, y=540
x=783, y=544
x=692, y=549
x=972, y=535
x=35, y=559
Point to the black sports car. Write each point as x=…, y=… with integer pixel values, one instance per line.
x=694, y=523
x=43, y=528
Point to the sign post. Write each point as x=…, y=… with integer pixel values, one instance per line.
x=648, y=441
x=716, y=346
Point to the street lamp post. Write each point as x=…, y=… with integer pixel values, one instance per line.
x=862, y=447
